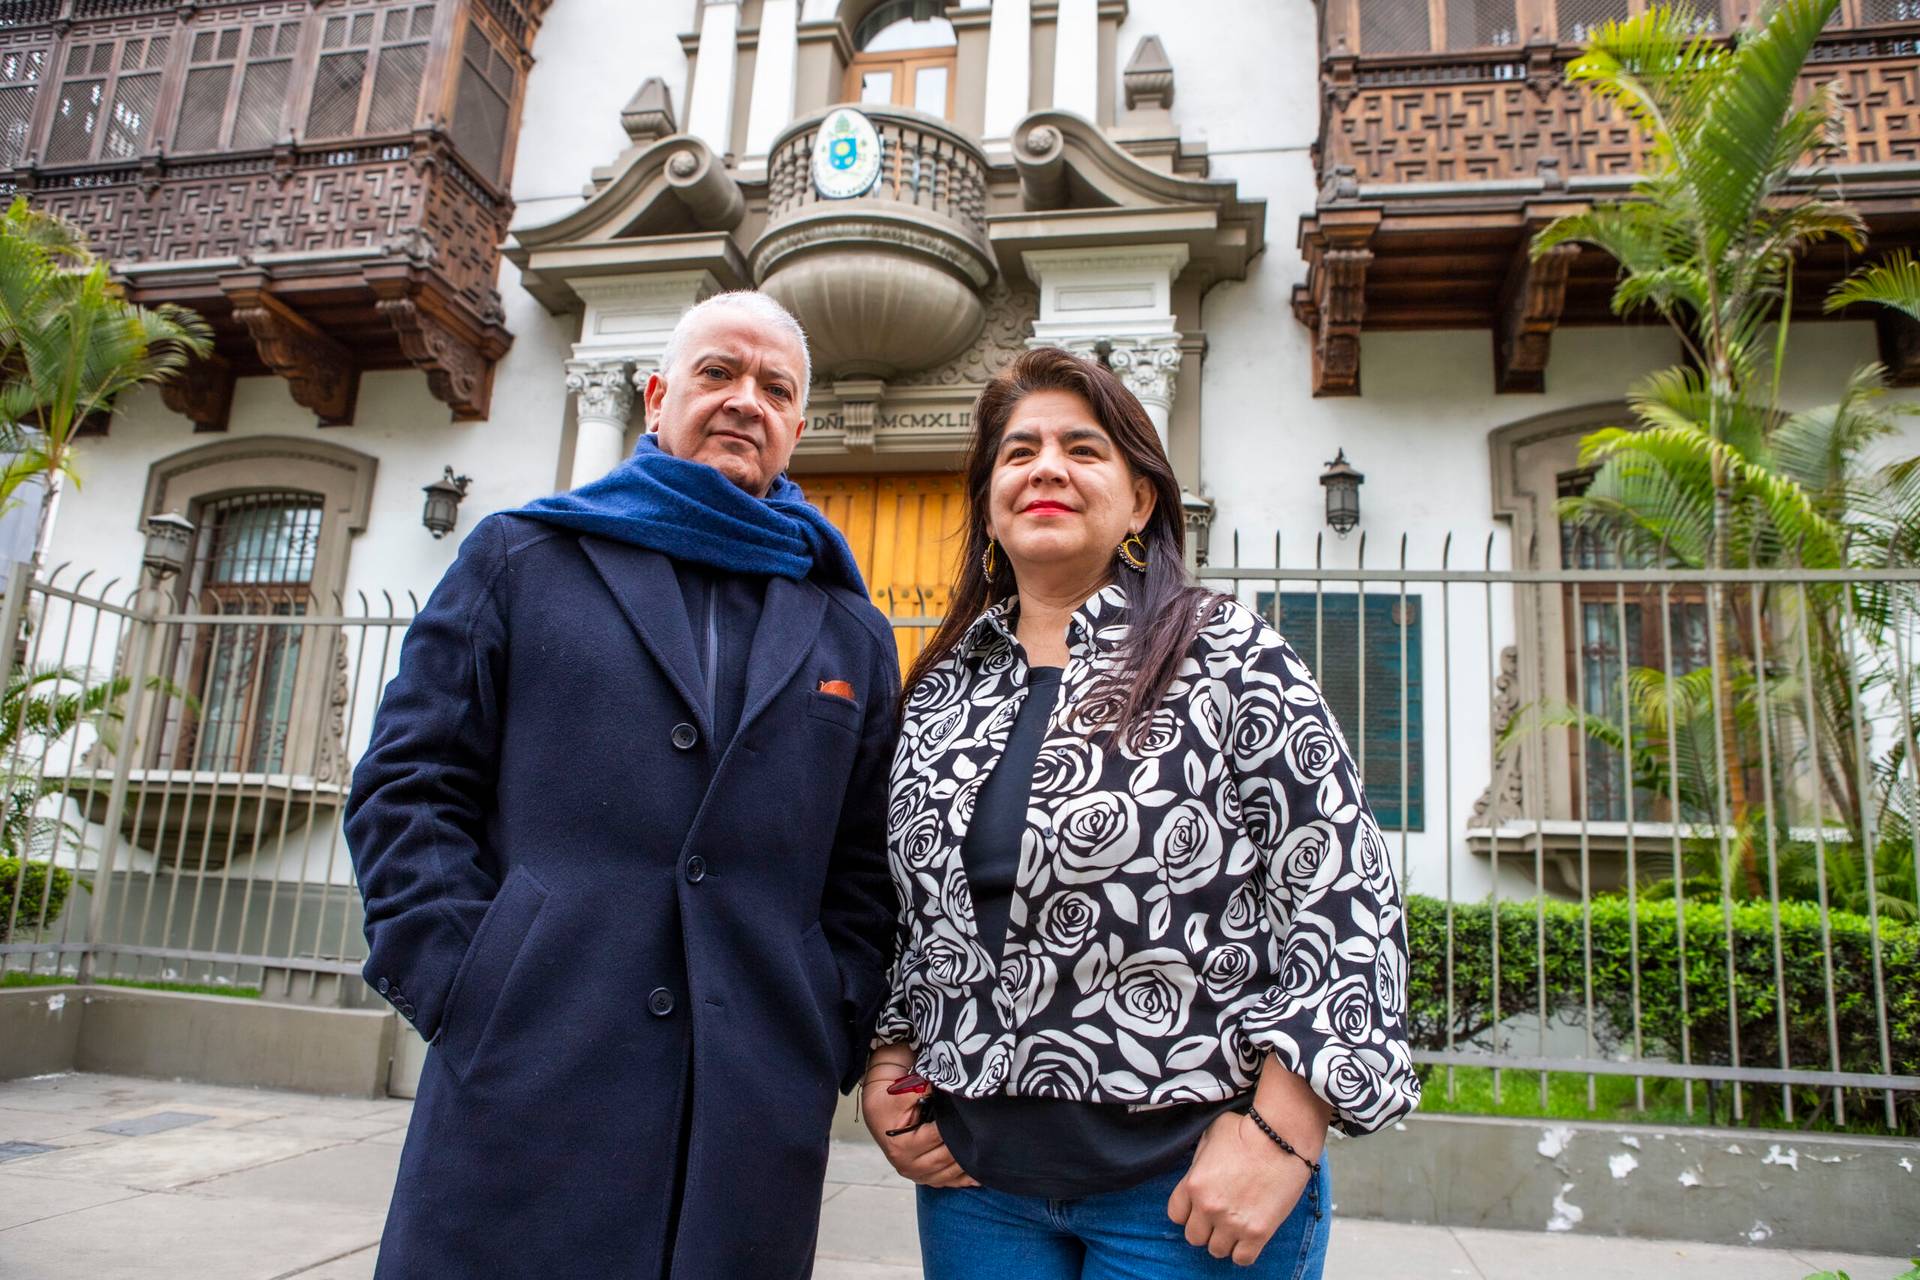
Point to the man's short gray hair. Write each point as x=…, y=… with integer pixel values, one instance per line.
x=761, y=306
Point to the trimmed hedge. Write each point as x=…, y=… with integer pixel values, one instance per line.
x=33, y=893
x=1659, y=926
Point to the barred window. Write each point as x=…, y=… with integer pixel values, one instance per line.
x=484, y=104
x=254, y=557
x=20, y=73
x=106, y=99
x=1872, y=11
x=370, y=70
x=228, y=103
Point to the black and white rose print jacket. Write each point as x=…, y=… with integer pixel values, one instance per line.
x=1183, y=906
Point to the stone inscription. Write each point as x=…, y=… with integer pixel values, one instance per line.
x=960, y=420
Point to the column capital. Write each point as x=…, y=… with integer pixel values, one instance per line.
x=604, y=389
x=1149, y=366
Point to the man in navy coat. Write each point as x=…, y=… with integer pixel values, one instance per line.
x=620, y=834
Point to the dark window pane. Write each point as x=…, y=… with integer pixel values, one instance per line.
x=396, y=88
x=131, y=122
x=202, y=104
x=336, y=94
x=262, y=96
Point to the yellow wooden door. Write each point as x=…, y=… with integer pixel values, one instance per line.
x=905, y=531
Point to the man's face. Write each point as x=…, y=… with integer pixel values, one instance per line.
x=733, y=399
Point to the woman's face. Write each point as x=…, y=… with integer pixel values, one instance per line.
x=1062, y=496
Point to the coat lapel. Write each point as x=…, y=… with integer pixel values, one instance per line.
x=644, y=586
x=789, y=621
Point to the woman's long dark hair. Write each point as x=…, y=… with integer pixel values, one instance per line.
x=1165, y=608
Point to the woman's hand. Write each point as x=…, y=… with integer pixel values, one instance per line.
x=919, y=1156
x=1238, y=1191
x=1241, y=1185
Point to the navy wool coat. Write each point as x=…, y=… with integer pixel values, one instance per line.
x=634, y=952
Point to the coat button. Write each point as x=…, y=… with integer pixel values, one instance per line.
x=696, y=869
x=381, y=986
x=684, y=736
x=660, y=1002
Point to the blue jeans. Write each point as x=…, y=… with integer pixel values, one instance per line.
x=972, y=1233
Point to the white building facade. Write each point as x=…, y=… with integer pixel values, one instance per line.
x=1147, y=181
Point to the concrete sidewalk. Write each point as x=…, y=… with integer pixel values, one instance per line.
x=107, y=1177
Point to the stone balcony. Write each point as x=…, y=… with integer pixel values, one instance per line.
x=890, y=280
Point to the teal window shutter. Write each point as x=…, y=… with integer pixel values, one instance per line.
x=1370, y=677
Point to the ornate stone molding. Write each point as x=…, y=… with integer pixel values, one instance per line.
x=604, y=389
x=319, y=372
x=1149, y=366
x=203, y=391
x=1530, y=304
x=1505, y=796
x=859, y=400
x=965, y=258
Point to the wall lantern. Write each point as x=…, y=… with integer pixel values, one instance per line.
x=1343, y=493
x=169, y=537
x=443, y=503
x=1199, y=515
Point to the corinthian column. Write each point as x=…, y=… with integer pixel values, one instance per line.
x=603, y=394
x=1151, y=369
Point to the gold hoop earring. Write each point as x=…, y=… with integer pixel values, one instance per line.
x=988, y=561
x=1134, y=560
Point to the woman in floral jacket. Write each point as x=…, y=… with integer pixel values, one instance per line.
x=1150, y=941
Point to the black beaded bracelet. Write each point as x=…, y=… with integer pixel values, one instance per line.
x=1285, y=1146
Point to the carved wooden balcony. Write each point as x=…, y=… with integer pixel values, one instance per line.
x=1437, y=168
x=325, y=182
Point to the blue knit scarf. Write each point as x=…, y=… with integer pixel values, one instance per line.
x=690, y=511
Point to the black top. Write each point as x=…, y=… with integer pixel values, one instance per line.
x=1043, y=1146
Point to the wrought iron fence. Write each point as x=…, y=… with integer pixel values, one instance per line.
x=175, y=764
x=1652, y=823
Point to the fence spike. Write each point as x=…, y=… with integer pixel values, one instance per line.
x=1446, y=549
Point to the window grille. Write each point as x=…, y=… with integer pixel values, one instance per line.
x=20, y=72
x=254, y=556
x=107, y=96
x=1394, y=26
x=368, y=85
x=1376, y=698
x=1580, y=19
x=263, y=89
x=1889, y=11
x=484, y=103
x=1481, y=24
x=1616, y=631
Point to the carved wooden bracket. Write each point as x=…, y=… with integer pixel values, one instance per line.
x=1899, y=347
x=1531, y=301
x=457, y=357
x=203, y=391
x=319, y=371
x=1333, y=302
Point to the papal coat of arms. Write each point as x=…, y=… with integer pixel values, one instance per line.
x=846, y=155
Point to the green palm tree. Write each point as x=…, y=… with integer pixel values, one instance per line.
x=70, y=345
x=1712, y=474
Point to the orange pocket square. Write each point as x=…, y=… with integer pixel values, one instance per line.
x=838, y=688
